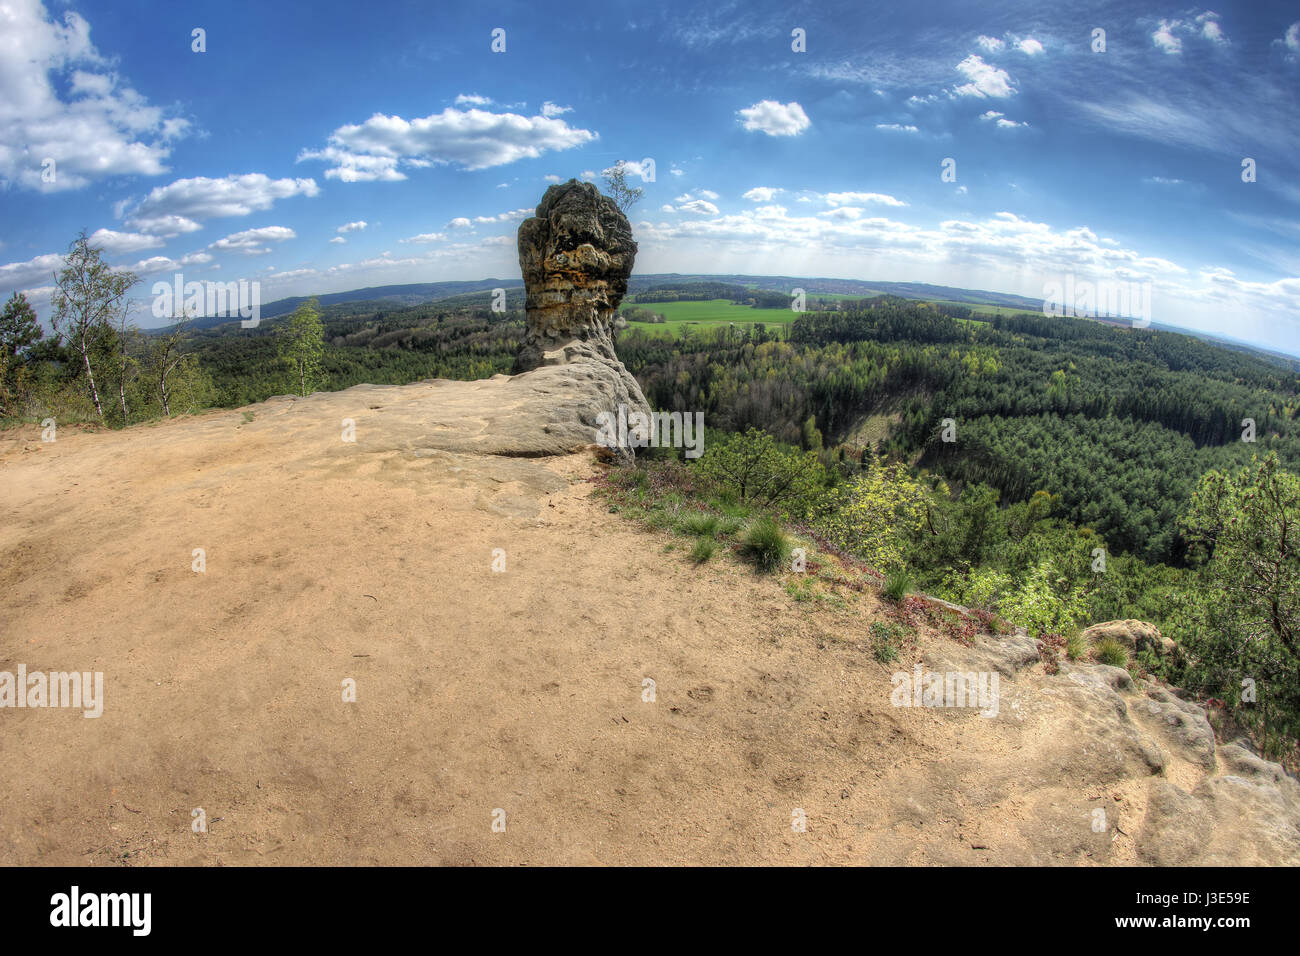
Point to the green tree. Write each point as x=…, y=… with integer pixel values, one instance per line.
x=19, y=327
x=1248, y=526
x=624, y=196
x=302, y=347
x=754, y=468
x=89, y=300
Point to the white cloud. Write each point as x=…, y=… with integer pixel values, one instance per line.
x=550, y=110
x=847, y=199
x=426, y=237
x=1030, y=46
x=1009, y=124
x=992, y=44
x=1165, y=39
x=699, y=206
x=762, y=193
x=633, y=167
x=352, y=227
x=985, y=79
x=1210, y=28
x=553, y=179
x=677, y=172
x=460, y=222
x=514, y=215
x=473, y=99
x=99, y=128
x=706, y=193
x=379, y=148
x=775, y=119
x=250, y=241
x=896, y=128
x=338, y=240
x=117, y=242
x=181, y=205
x=20, y=275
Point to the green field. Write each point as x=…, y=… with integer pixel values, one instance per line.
x=710, y=312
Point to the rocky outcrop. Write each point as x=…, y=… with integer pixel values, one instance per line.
x=1133, y=636
x=1115, y=769
x=576, y=255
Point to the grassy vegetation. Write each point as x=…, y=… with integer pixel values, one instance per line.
x=711, y=313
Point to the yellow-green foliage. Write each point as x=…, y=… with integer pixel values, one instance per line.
x=874, y=514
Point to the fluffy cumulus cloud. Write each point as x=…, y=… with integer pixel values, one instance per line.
x=775, y=119
x=762, y=193
x=182, y=205
x=383, y=147
x=252, y=242
x=114, y=243
x=984, y=79
x=67, y=118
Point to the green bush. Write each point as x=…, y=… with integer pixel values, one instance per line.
x=766, y=545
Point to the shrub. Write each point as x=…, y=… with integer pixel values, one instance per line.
x=1110, y=651
x=703, y=550
x=766, y=545
x=897, y=585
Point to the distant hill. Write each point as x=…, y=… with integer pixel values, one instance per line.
x=464, y=294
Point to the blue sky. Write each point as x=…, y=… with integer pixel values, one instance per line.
x=342, y=145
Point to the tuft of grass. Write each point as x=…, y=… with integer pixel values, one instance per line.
x=766, y=545
x=727, y=527
x=1075, y=647
x=798, y=591
x=703, y=550
x=1110, y=651
x=885, y=638
x=897, y=585
x=698, y=523
x=248, y=417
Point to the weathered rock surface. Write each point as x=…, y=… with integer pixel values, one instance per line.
x=1134, y=636
x=1113, y=770
x=576, y=255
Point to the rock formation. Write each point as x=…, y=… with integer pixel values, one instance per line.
x=576, y=255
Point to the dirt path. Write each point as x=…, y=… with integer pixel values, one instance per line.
x=475, y=690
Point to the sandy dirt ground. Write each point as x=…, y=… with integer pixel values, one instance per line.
x=476, y=691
